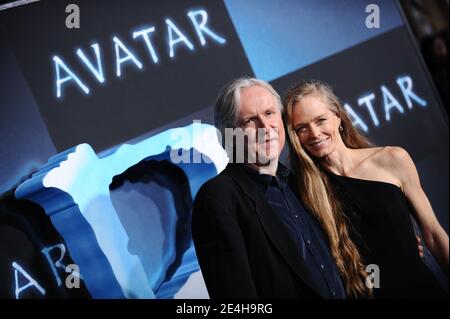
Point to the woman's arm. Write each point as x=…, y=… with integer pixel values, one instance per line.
x=434, y=235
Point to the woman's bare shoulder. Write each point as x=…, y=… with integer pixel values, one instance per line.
x=366, y=156
x=381, y=163
x=394, y=163
x=391, y=157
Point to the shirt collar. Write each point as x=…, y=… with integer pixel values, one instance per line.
x=265, y=180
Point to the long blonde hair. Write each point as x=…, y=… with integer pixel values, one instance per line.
x=317, y=193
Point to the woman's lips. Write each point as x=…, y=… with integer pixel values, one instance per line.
x=319, y=144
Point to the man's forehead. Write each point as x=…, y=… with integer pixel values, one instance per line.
x=255, y=91
x=255, y=100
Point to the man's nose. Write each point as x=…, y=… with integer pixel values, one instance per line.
x=263, y=129
x=264, y=123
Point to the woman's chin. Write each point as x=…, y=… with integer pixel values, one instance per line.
x=318, y=154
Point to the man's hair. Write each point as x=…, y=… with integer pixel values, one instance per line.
x=226, y=106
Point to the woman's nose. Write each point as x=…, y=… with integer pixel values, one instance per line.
x=314, y=132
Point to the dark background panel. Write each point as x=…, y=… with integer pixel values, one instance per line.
x=25, y=231
x=138, y=101
x=25, y=143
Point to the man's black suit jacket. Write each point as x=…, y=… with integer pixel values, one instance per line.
x=243, y=248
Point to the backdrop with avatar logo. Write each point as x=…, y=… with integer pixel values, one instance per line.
x=106, y=129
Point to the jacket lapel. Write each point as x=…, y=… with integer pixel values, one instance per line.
x=273, y=226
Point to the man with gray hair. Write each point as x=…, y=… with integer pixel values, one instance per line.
x=252, y=235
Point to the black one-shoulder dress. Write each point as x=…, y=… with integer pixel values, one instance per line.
x=381, y=227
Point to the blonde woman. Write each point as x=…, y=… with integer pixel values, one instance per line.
x=369, y=192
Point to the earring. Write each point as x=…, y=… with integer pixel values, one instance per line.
x=341, y=128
